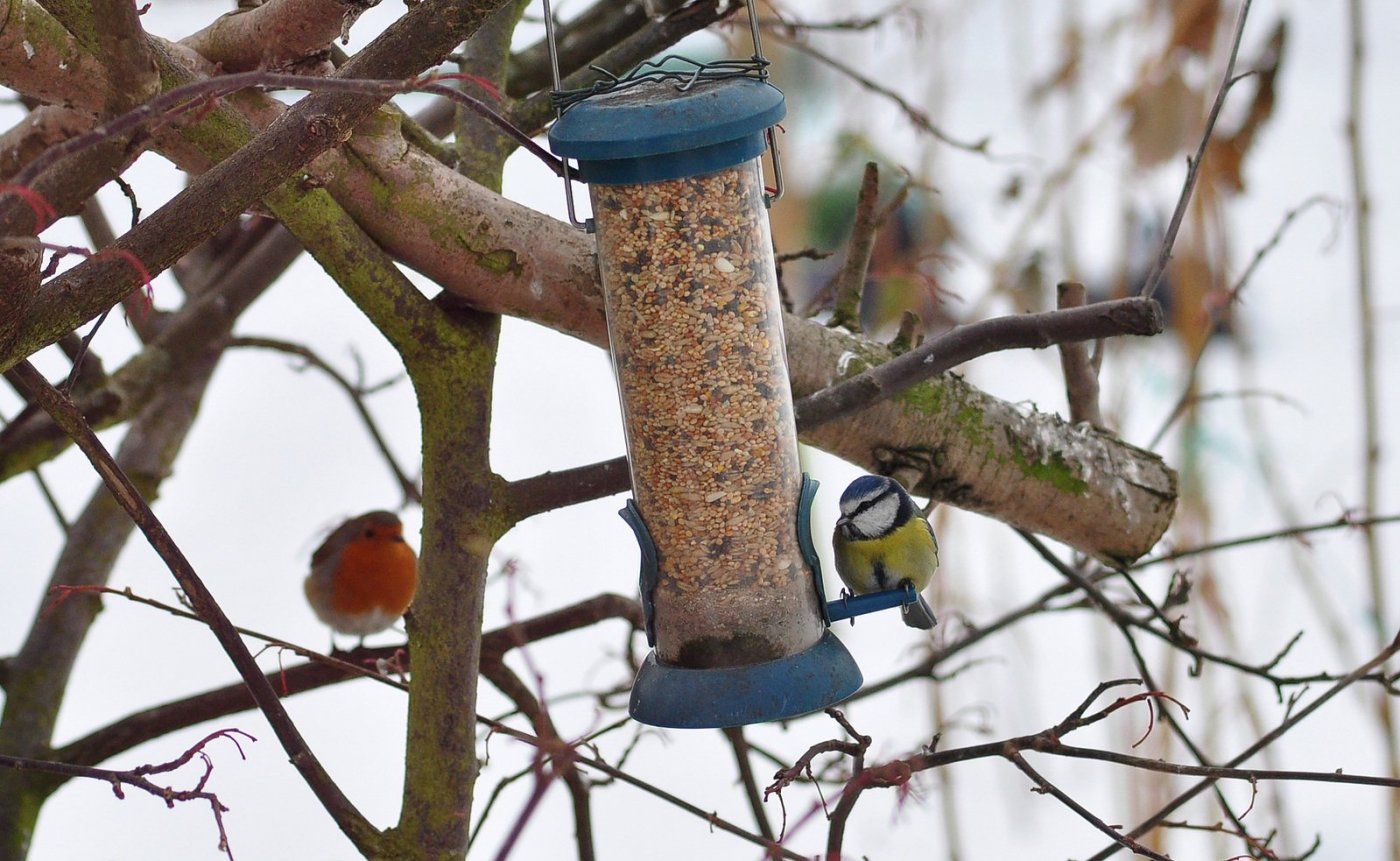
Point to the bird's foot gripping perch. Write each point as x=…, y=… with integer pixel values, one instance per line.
x=917, y=613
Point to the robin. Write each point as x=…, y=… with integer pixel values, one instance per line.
x=363, y=575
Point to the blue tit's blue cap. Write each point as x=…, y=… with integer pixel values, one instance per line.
x=656, y=131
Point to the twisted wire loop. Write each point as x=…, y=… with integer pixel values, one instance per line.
x=684, y=72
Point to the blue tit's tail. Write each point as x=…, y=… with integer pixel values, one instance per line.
x=919, y=615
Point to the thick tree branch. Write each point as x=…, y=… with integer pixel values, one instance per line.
x=320, y=121
x=507, y=259
x=279, y=34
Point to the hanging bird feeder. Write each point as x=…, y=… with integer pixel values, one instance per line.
x=730, y=584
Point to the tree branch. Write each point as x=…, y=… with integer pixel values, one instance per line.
x=137, y=777
x=1081, y=377
x=355, y=392
x=1132, y=316
x=350, y=820
x=1193, y=164
x=279, y=34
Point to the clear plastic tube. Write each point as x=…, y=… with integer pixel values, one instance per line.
x=696, y=329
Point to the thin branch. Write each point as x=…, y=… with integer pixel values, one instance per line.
x=1349, y=520
x=341, y=810
x=553, y=751
x=1223, y=773
x=356, y=392
x=1367, y=325
x=1045, y=786
x=735, y=736
x=848, y=283
x=709, y=816
x=1269, y=738
x=1125, y=622
x=322, y=670
x=919, y=118
x=1217, y=311
x=1132, y=316
x=1193, y=164
x=1081, y=377
x=137, y=777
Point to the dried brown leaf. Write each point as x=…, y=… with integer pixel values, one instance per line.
x=1194, y=23
x=1165, y=117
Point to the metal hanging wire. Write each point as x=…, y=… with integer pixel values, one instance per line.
x=682, y=71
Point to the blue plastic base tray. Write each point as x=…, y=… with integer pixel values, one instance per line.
x=684, y=698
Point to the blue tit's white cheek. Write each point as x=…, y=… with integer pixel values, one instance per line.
x=877, y=519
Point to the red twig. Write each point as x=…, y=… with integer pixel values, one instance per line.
x=196, y=96
x=137, y=778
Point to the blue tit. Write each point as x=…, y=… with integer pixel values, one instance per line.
x=882, y=541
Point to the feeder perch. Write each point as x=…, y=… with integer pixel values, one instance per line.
x=732, y=599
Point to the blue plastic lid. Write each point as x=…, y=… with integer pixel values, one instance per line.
x=654, y=131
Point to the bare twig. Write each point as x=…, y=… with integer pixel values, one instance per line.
x=848, y=283
x=740, y=746
x=1348, y=520
x=342, y=811
x=1379, y=611
x=356, y=392
x=919, y=118
x=137, y=778
x=1045, y=786
x=1133, y=316
x=322, y=670
x=1193, y=164
x=1267, y=739
x=1081, y=378
x=1217, y=311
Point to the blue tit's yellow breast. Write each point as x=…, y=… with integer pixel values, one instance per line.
x=908, y=552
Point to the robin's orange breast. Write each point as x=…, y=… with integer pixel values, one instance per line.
x=374, y=574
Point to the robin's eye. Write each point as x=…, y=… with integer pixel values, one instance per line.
x=369, y=533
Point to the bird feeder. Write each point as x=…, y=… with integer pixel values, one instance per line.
x=720, y=505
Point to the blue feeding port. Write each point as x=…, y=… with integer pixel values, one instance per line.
x=678, y=697
x=630, y=136
x=850, y=606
